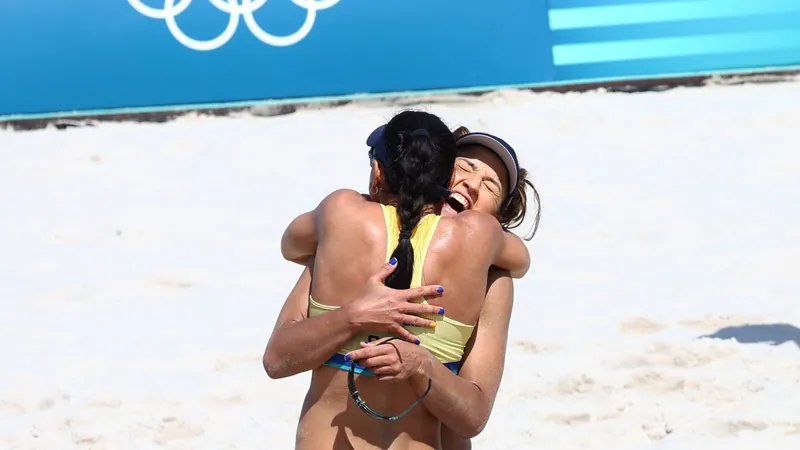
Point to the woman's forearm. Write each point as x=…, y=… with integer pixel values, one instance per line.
x=306, y=344
x=459, y=403
x=464, y=402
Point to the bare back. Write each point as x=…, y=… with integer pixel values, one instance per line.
x=352, y=242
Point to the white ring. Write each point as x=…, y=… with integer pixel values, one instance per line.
x=159, y=13
x=236, y=10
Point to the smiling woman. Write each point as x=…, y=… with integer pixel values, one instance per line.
x=484, y=165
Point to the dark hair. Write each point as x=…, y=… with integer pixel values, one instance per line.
x=512, y=212
x=420, y=152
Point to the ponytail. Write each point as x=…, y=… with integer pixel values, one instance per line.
x=409, y=211
x=420, y=165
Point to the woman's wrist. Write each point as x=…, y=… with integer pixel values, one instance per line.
x=349, y=318
x=423, y=373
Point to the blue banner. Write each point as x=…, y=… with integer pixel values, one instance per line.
x=62, y=56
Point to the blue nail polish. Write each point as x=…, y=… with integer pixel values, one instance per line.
x=417, y=341
x=441, y=311
x=439, y=290
x=393, y=261
x=347, y=357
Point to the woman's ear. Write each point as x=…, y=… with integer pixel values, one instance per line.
x=376, y=181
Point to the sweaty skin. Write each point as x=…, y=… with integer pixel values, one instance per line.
x=483, y=186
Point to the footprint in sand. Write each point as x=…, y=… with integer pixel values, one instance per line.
x=107, y=404
x=732, y=428
x=736, y=426
x=536, y=347
x=171, y=283
x=657, y=430
x=222, y=365
x=641, y=325
x=91, y=441
x=695, y=354
x=714, y=323
x=705, y=391
x=67, y=238
x=224, y=400
x=569, y=418
x=792, y=429
x=575, y=385
x=49, y=402
x=172, y=428
x=656, y=382
x=8, y=408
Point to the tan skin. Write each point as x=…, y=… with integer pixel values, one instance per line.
x=329, y=416
x=482, y=176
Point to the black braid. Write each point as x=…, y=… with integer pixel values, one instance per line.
x=421, y=151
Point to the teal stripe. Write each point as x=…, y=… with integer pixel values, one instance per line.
x=360, y=370
x=673, y=47
x=558, y=4
x=687, y=28
x=337, y=361
x=601, y=16
x=730, y=63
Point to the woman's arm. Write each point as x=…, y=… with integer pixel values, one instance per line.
x=299, y=343
x=510, y=252
x=462, y=402
x=299, y=241
x=489, y=337
x=513, y=255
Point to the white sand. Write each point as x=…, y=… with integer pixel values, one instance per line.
x=141, y=274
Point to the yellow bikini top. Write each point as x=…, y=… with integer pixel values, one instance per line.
x=447, y=340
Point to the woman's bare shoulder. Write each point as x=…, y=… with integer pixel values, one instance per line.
x=346, y=206
x=344, y=197
x=469, y=234
x=471, y=224
x=341, y=201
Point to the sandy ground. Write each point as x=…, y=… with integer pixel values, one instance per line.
x=141, y=274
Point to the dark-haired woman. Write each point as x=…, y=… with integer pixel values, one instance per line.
x=413, y=160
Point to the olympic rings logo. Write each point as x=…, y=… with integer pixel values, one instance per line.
x=236, y=10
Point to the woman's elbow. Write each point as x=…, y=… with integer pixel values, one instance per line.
x=288, y=251
x=272, y=366
x=291, y=253
x=521, y=266
x=521, y=271
x=475, y=424
x=472, y=429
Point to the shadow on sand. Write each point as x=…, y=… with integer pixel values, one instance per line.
x=773, y=334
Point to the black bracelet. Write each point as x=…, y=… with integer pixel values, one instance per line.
x=351, y=385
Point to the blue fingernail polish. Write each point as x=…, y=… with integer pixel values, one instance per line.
x=441, y=311
x=347, y=357
x=439, y=290
x=417, y=341
x=393, y=261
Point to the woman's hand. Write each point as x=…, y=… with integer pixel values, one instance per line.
x=383, y=309
x=393, y=361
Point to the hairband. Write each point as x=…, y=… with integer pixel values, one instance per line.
x=420, y=132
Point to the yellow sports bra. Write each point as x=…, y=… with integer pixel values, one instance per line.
x=447, y=340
